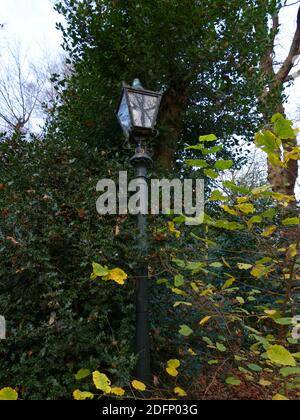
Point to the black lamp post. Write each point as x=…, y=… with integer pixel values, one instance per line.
x=137, y=114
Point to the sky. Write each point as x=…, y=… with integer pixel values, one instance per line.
x=32, y=24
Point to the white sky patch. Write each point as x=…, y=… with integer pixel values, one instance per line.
x=32, y=24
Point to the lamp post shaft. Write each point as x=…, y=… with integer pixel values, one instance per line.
x=142, y=341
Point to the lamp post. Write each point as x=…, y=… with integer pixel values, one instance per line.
x=137, y=113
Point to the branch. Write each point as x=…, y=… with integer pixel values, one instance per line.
x=294, y=51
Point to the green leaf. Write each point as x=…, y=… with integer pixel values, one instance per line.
x=197, y=163
x=225, y=224
x=281, y=356
x=179, y=280
x=185, y=330
x=211, y=173
x=284, y=321
x=254, y=368
x=283, y=128
x=212, y=150
x=233, y=381
x=291, y=221
x=223, y=165
x=208, y=138
x=8, y=394
x=82, y=374
x=285, y=372
x=102, y=382
x=267, y=141
x=99, y=270
x=221, y=347
x=233, y=187
x=217, y=196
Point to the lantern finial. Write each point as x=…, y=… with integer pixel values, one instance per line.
x=137, y=84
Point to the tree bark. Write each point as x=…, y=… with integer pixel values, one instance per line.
x=173, y=108
x=283, y=180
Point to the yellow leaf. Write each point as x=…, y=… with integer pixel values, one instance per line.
x=172, y=372
x=139, y=386
x=172, y=229
x=269, y=231
x=174, y=363
x=102, y=382
x=280, y=397
x=81, y=396
x=229, y=210
x=242, y=266
x=293, y=251
x=118, y=275
x=8, y=394
x=229, y=283
x=246, y=208
x=263, y=382
x=180, y=392
x=204, y=321
x=118, y=391
x=172, y=367
x=179, y=292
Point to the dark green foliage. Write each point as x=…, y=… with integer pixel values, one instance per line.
x=205, y=55
x=58, y=319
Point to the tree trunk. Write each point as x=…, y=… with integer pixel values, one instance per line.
x=173, y=108
x=283, y=180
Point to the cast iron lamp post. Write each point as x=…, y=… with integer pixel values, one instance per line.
x=137, y=113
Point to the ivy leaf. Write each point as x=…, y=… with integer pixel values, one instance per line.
x=281, y=356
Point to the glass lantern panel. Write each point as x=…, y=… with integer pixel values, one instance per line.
x=123, y=114
x=143, y=109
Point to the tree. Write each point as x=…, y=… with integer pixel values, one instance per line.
x=282, y=179
x=26, y=91
x=190, y=49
